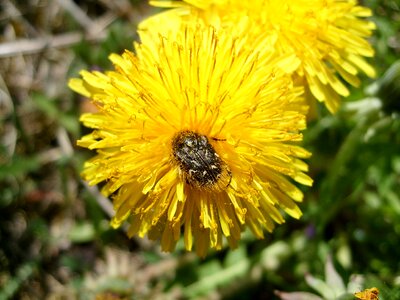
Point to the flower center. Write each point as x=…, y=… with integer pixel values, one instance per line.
x=201, y=165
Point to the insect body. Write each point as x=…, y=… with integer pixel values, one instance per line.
x=199, y=162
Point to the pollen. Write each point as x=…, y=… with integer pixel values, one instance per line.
x=199, y=163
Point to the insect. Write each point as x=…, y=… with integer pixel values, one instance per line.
x=368, y=294
x=199, y=162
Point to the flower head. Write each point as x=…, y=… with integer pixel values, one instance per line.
x=327, y=36
x=191, y=133
x=368, y=294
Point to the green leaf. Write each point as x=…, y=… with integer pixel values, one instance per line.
x=12, y=285
x=19, y=166
x=49, y=107
x=116, y=285
x=272, y=256
x=297, y=296
x=82, y=232
x=234, y=256
x=215, y=277
x=70, y=123
x=333, y=279
x=321, y=287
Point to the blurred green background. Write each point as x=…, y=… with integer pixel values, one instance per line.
x=55, y=239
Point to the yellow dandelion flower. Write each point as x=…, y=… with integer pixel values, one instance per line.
x=191, y=135
x=327, y=36
x=368, y=294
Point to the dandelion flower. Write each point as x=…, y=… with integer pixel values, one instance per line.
x=190, y=137
x=368, y=294
x=327, y=36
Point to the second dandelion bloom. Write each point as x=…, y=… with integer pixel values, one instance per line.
x=191, y=136
x=327, y=36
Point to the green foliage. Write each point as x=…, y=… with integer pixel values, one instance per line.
x=120, y=36
x=19, y=166
x=50, y=109
x=12, y=285
x=55, y=238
